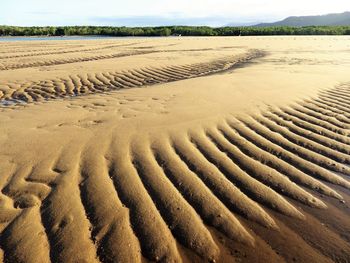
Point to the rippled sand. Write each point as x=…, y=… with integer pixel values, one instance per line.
x=175, y=150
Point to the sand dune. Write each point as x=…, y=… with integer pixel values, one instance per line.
x=233, y=150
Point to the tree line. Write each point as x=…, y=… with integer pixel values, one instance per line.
x=172, y=30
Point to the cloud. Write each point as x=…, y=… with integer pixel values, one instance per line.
x=159, y=12
x=168, y=20
x=41, y=13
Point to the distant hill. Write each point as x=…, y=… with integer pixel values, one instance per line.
x=342, y=19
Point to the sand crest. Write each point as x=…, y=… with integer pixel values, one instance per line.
x=175, y=150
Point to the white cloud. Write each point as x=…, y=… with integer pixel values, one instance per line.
x=24, y=12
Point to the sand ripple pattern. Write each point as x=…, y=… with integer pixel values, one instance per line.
x=151, y=199
x=61, y=61
x=82, y=84
x=56, y=51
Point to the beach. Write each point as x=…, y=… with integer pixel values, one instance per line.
x=175, y=149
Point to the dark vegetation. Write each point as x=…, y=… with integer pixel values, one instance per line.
x=173, y=30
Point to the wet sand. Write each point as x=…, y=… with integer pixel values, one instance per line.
x=175, y=150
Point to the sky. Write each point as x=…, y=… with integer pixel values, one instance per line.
x=159, y=12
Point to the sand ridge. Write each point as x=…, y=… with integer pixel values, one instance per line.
x=106, y=81
x=206, y=164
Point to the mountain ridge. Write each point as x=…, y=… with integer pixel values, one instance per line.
x=335, y=19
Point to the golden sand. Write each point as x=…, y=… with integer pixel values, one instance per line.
x=175, y=149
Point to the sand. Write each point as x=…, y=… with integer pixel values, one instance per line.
x=175, y=150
